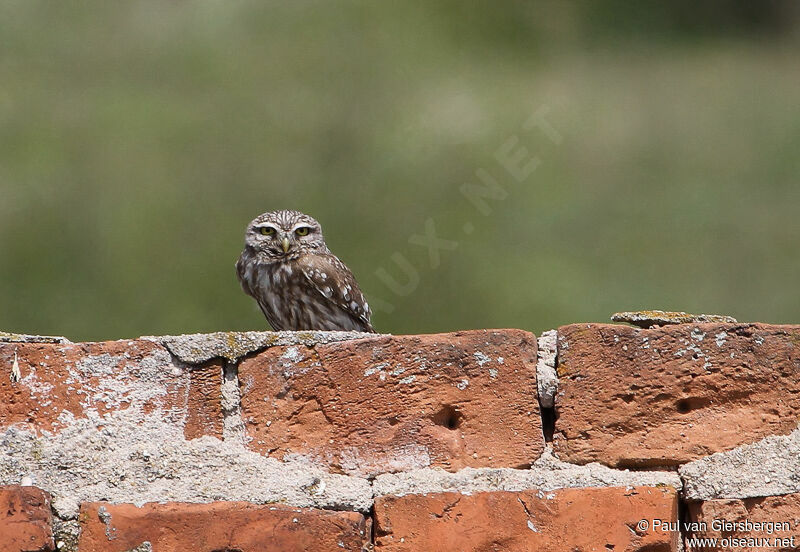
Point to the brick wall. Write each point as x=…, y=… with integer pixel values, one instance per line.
x=593, y=437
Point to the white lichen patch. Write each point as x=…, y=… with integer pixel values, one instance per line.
x=697, y=352
x=294, y=363
x=399, y=369
x=482, y=360
x=292, y=355
x=39, y=390
x=698, y=335
x=420, y=363
x=377, y=369
x=720, y=338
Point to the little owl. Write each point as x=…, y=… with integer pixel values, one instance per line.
x=298, y=283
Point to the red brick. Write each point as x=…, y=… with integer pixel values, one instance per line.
x=388, y=404
x=782, y=511
x=632, y=397
x=25, y=520
x=603, y=519
x=204, y=403
x=61, y=381
x=220, y=526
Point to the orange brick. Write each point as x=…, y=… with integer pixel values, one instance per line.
x=778, y=519
x=388, y=404
x=632, y=397
x=25, y=520
x=228, y=526
x=61, y=381
x=603, y=519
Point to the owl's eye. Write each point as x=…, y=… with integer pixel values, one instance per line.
x=302, y=231
x=267, y=231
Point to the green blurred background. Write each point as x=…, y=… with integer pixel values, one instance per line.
x=138, y=139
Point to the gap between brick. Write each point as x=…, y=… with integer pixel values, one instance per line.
x=232, y=423
x=544, y=358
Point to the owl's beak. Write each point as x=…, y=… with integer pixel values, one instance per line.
x=285, y=244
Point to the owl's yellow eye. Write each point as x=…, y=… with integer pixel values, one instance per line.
x=267, y=231
x=302, y=231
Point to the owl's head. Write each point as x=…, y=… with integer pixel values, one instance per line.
x=284, y=235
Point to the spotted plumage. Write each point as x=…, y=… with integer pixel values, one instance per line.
x=298, y=283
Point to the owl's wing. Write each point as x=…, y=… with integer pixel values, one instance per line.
x=334, y=281
x=242, y=273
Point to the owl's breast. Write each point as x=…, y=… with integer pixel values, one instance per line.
x=291, y=302
x=275, y=280
x=282, y=293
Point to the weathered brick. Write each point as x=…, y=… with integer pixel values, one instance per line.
x=604, y=519
x=57, y=383
x=204, y=401
x=25, y=520
x=632, y=397
x=775, y=520
x=220, y=526
x=388, y=404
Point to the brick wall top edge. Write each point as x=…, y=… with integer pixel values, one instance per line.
x=9, y=337
x=669, y=327
x=231, y=345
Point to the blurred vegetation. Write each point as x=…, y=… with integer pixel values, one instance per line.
x=138, y=139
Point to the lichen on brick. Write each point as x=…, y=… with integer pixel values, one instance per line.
x=650, y=318
x=233, y=346
x=8, y=337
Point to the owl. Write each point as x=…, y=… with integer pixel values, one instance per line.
x=298, y=283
